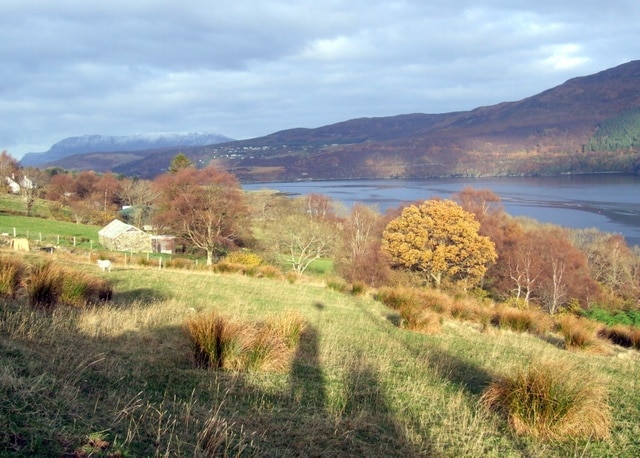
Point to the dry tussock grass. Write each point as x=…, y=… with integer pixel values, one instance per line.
x=550, y=402
x=219, y=342
x=624, y=336
x=521, y=320
x=579, y=333
x=12, y=270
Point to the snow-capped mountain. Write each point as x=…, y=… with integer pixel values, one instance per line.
x=104, y=143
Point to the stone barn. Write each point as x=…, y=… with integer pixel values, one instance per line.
x=119, y=236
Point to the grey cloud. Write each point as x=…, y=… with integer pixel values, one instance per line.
x=244, y=68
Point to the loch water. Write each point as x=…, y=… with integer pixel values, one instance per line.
x=608, y=202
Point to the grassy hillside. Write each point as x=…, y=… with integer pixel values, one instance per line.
x=119, y=379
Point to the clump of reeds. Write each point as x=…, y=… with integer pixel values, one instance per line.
x=222, y=343
x=44, y=285
x=268, y=271
x=80, y=289
x=467, y=310
x=578, y=333
x=12, y=271
x=624, y=336
x=423, y=320
x=549, y=401
x=520, y=320
x=398, y=298
x=438, y=301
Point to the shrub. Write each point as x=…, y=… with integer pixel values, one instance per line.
x=624, y=317
x=180, y=263
x=548, y=401
x=44, y=285
x=438, y=301
x=243, y=257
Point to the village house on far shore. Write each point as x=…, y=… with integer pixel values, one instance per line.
x=119, y=236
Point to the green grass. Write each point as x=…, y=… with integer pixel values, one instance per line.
x=358, y=385
x=50, y=232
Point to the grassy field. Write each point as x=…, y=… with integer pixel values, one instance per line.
x=46, y=232
x=119, y=379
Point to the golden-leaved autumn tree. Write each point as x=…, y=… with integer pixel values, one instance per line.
x=440, y=239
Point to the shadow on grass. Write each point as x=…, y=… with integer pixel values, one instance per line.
x=305, y=421
x=136, y=384
x=130, y=295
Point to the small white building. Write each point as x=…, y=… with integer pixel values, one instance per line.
x=16, y=186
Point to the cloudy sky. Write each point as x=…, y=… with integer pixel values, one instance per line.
x=247, y=68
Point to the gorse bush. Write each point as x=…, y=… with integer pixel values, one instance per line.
x=244, y=257
x=548, y=401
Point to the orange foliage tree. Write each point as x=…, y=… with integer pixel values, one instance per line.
x=440, y=239
x=205, y=206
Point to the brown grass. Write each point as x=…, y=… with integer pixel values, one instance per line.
x=521, y=320
x=624, y=336
x=12, y=271
x=578, y=333
x=550, y=402
x=222, y=343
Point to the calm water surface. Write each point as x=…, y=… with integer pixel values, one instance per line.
x=609, y=202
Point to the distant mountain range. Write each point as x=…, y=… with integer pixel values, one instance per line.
x=88, y=145
x=549, y=133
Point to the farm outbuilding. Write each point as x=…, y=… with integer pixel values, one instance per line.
x=163, y=243
x=119, y=236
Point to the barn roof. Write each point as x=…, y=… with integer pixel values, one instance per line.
x=117, y=227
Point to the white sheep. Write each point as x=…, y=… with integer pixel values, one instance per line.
x=105, y=265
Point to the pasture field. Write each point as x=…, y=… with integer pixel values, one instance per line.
x=47, y=232
x=118, y=379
